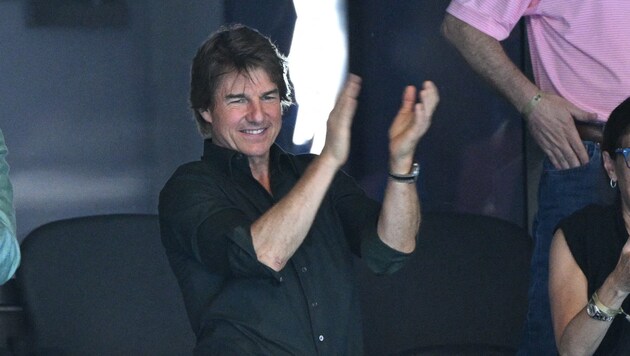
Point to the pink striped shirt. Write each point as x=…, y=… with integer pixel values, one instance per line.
x=579, y=49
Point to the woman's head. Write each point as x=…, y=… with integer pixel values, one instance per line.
x=617, y=127
x=616, y=157
x=234, y=49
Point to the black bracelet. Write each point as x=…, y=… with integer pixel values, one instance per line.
x=410, y=177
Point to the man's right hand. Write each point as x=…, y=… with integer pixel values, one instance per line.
x=338, y=126
x=551, y=124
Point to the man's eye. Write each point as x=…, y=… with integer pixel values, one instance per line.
x=237, y=101
x=269, y=97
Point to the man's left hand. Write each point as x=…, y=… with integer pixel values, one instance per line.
x=410, y=125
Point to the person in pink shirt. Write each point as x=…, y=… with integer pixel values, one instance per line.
x=580, y=55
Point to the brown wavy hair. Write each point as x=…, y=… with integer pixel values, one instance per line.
x=234, y=48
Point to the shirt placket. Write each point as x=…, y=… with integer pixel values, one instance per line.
x=313, y=301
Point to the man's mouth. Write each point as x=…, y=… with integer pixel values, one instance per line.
x=253, y=132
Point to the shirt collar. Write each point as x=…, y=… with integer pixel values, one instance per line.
x=231, y=161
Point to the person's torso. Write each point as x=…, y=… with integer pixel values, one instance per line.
x=581, y=51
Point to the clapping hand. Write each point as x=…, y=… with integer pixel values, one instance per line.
x=410, y=125
x=337, y=144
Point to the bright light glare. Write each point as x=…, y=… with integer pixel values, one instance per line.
x=318, y=63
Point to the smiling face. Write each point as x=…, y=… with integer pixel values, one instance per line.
x=247, y=116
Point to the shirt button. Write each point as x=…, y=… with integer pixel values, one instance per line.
x=314, y=304
x=304, y=269
x=321, y=337
x=280, y=279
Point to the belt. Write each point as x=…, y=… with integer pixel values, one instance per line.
x=590, y=131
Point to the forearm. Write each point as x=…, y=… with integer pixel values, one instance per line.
x=583, y=334
x=280, y=231
x=488, y=58
x=399, y=219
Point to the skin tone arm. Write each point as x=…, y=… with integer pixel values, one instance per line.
x=399, y=220
x=576, y=332
x=550, y=122
x=279, y=232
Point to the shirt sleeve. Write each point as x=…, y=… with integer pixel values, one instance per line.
x=496, y=18
x=9, y=246
x=196, y=216
x=359, y=215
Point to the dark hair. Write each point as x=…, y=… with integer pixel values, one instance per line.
x=235, y=48
x=617, y=126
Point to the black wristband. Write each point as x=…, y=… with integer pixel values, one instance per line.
x=410, y=177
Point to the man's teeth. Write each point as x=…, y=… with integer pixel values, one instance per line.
x=253, y=132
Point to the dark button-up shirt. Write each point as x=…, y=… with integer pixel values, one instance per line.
x=309, y=307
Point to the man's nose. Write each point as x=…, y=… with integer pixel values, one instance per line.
x=255, y=111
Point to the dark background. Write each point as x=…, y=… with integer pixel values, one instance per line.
x=93, y=104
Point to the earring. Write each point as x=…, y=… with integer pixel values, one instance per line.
x=613, y=183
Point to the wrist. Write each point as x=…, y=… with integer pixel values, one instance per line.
x=328, y=162
x=410, y=177
x=400, y=165
x=597, y=310
x=529, y=106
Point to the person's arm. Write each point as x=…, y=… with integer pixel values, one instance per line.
x=278, y=233
x=550, y=121
x=9, y=247
x=399, y=219
x=575, y=331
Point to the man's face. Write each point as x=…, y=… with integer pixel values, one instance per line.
x=247, y=116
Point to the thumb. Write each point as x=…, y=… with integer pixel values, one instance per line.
x=581, y=115
x=626, y=246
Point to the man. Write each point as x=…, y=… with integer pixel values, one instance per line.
x=581, y=73
x=9, y=246
x=262, y=241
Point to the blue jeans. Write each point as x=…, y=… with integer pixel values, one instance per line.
x=560, y=193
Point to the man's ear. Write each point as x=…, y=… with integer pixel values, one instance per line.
x=609, y=165
x=206, y=115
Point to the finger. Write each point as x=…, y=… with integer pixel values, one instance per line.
x=579, y=151
x=581, y=115
x=352, y=87
x=422, y=119
x=408, y=99
x=347, y=101
x=588, y=117
x=429, y=96
x=562, y=145
x=565, y=157
x=574, y=151
x=551, y=146
x=557, y=161
x=350, y=90
x=560, y=152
